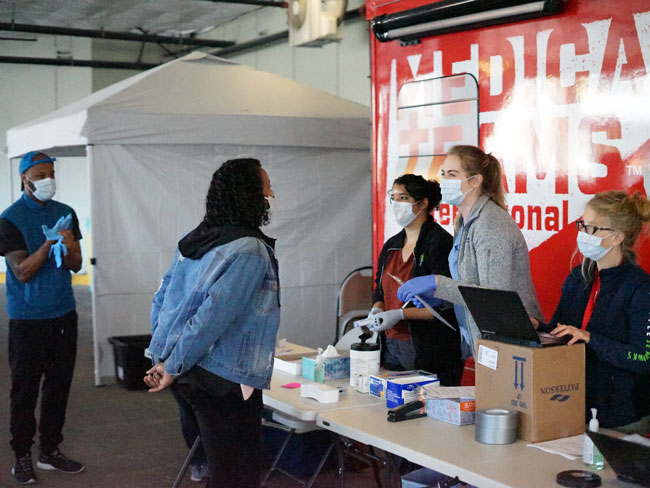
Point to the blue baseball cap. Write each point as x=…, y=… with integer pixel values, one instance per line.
x=27, y=161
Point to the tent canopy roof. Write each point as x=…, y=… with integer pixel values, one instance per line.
x=199, y=99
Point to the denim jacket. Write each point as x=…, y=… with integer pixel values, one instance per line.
x=220, y=312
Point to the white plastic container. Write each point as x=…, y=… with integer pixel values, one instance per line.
x=364, y=361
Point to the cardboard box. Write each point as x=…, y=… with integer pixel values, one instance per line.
x=403, y=389
x=457, y=411
x=377, y=382
x=288, y=351
x=291, y=367
x=288, y=357
x=546, y=385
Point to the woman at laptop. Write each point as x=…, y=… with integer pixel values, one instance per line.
x=605, y=302
x=413, y=339
x=489, y=249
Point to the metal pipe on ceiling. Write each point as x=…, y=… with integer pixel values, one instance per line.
x=76, y=63
x=242, y=46
x=262, y=3
x=122, y=36
x=260, y=41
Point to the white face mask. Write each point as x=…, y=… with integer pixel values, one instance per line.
x=451, y=191
x=270, y=209
x=402, y=212
x=44, y=189
x=590, y=246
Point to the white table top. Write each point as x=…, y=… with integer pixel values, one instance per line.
x=288, y=401
x=452, y=450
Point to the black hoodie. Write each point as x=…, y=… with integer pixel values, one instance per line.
x=205, y=237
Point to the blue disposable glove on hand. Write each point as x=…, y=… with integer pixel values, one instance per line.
x=425, y=286
x=386, y=320
x=431, y=300
x=58, y=249
x=64, y=223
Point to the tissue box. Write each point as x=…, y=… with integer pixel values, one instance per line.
x=404, y=389
x=331, y=369
x=377, y=382
x=458, y=411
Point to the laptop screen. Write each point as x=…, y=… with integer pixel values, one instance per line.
x=500, y=315
x=630, y=461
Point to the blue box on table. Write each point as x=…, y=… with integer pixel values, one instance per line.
x=331, y=369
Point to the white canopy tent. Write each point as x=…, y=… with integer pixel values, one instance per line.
x=152, y=142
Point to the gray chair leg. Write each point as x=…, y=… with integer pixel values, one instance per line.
x=186, y=463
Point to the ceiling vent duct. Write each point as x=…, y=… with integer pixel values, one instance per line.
x=456, y=15
x=314, y=23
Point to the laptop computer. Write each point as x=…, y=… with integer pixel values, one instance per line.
x=629, y=460
x=501, y=316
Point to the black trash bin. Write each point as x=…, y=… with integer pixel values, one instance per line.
x=130, y=363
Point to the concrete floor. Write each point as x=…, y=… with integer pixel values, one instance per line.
x=126, y=439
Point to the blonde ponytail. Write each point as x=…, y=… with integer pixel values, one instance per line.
x=641, y=206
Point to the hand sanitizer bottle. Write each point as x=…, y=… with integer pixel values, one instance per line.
x=590, y=453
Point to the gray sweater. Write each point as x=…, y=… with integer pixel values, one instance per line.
x=493, y=253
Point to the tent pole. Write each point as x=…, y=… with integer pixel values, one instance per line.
x=91, y=269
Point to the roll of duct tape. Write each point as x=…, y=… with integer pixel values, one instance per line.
x=578, y=479
x=496, y=426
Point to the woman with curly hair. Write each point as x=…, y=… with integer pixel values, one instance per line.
x=214, y=321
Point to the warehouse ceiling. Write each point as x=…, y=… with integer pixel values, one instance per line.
x=161, y=17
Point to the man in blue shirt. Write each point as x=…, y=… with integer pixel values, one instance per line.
x=39, y=238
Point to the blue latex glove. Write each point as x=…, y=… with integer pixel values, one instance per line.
x=425, y=286
x=64, y=223
x=58, y=249
x=433, y=301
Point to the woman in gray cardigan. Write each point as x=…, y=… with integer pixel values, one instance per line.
x=489, y=249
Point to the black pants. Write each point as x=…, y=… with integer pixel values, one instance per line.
x=40, y=349
x=231, y=434
x=437, y=348
x=189, y=425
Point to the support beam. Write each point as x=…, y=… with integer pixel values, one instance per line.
x=76, y=63
x=255, y=43
x=122, y=36
x=261, y=3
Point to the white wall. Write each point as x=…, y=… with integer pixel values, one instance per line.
x=342, y=68
x=125, y=51
x=28, y=91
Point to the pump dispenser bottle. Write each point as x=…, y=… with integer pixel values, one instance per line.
x=590, y=453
